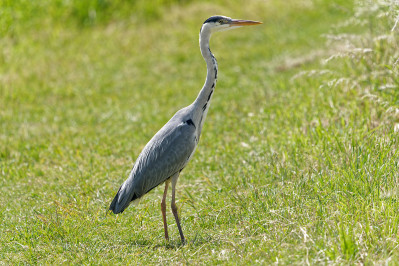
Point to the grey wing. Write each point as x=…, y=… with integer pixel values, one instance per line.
x=167, y=153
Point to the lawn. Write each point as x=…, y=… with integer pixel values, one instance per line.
x=298, y=159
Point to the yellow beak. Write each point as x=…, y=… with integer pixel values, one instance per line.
x=240, y=22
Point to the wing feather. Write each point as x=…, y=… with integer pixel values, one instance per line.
x=167, y=153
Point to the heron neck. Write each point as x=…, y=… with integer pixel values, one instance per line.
x=202, y=102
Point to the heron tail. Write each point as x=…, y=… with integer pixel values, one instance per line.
x=122, y=200
x=114, y=207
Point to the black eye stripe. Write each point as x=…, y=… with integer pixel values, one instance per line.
x=215, y=19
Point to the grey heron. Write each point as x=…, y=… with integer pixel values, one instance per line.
x=172, y=147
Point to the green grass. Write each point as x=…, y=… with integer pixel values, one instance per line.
x=298, y=159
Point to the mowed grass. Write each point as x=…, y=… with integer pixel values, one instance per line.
x=298, y=159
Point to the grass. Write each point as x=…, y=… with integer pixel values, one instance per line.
x=297, y=163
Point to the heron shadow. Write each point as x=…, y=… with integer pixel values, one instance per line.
x=172, y=244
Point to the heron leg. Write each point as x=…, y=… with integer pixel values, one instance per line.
x=163, y=208
x=174, y=207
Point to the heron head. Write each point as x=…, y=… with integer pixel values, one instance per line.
x=222, y=23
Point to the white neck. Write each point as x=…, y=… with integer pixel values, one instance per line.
x=202, y=102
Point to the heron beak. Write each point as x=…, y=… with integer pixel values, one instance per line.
x=240, y=22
